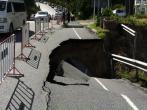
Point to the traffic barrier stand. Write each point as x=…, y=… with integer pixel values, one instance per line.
x=52, y=27
x=7, y=59
x=25, y=36
x=25, y=42
x=45, y=24
x=58, y=20
x=37, y=29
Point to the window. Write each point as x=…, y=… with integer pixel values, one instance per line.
x=42, y=13
x=19, y=7
x=9, y=7
x=2, y=5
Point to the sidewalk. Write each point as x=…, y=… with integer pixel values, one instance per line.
x=33, y=79
x=86, y=22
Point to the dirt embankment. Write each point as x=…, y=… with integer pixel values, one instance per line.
x=121, y=42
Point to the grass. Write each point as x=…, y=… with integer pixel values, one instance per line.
x=130, y=20
x=142, y=77
x=125, y=75
x=100, y=32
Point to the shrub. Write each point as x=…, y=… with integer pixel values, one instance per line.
x=118, y=6
x=107, y=12
x=100, y=32
x=132, y=20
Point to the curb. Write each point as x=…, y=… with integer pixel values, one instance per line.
x=91, y=30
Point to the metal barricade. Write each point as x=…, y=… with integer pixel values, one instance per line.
x=58, y=20
x=37, y=29
x=25, y=36
x=25, y=42
x=37, y=25
x=45, y=24
x=7, y=58
x=41, y=27
x=51, y=28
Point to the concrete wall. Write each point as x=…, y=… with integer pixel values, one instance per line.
x=89, y=52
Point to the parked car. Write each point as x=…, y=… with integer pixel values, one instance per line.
x=119, y=12
x=32, y=17
x=12, y=15
x=45, y=2
x=58, y=15
x=43, y=14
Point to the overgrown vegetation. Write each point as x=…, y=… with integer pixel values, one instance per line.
x=134, y=75
x=138, y=19
x=132, y=20
x=100, y=32
x=80, y=8
x=118, y=6
x=123, y=71
x=107, y=12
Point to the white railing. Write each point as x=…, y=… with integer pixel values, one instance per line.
x=7, y=58
x=25, y=42
x=131, y=62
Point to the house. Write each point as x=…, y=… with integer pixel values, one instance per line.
x=140, y=6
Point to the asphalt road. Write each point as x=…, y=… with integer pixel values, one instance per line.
x=97, y=93
x=75, y=91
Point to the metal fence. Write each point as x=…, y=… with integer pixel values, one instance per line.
x=7, y=58
x=37, y=25
x=25, y=42
x=37, y=29
x=45, y=24
x=25, y=36
x=41, y=27
x=130, y=61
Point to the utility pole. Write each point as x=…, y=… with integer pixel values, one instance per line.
x=93, y=9
x=108, y=3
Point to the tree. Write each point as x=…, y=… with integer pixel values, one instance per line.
x=84, y=7
x=114, y=2
x=31, y=7
x=130, y=7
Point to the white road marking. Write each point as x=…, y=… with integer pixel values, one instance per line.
x=129, y=102
x=103, y=86
x=94, y=78
x=76, y=33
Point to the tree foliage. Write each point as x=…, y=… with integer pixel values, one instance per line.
x=114, y=2
x=82, y=8
x=31, y=7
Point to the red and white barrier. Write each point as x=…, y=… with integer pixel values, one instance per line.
x=45, y=24
x=25, y=42
x=59, y=19
x=41, y=27
x=7, y=58
x=37, y=29
x=25, y=36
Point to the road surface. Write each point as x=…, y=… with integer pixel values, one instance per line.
x=97, y=93
x=73, y=92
